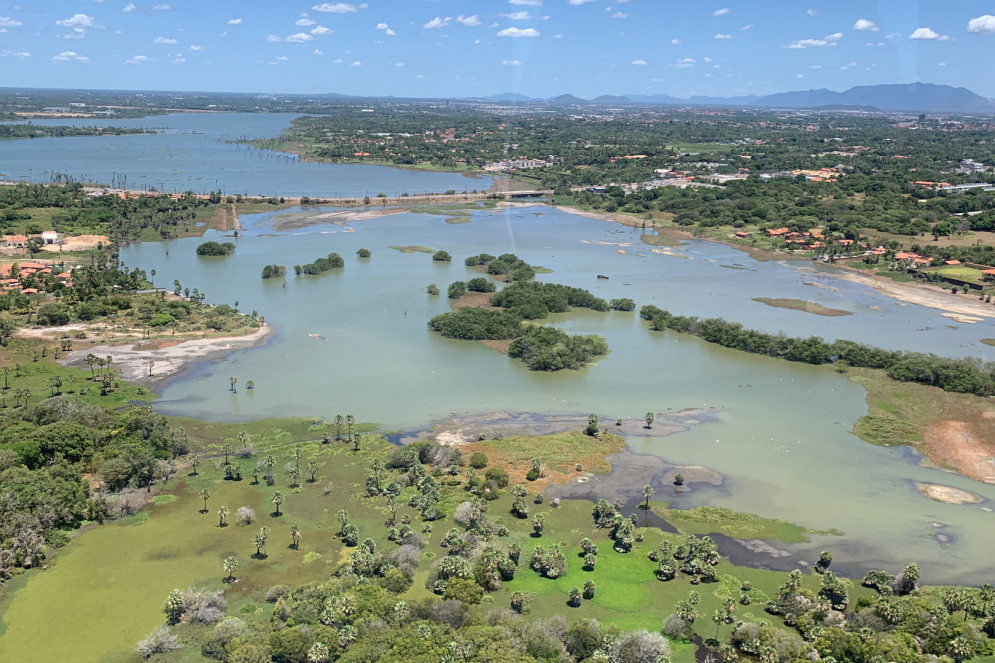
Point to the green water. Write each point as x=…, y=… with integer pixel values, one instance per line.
x=782, y=439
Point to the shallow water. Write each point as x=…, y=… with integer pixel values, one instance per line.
x=782, y=439
x=190, y=154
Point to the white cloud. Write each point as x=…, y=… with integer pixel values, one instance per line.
x=304, y=22
x=164, y=40
x=79, y=24
x=179, y=59
x=620, y=15
x=578, y=2
x=676, y=42
x=21, y=55
x=282, y=58
x=420, y=76
x=318, y=51
x=812, y=12
x=865, y=24
x=983, y=25
x=723, y=36
x=398, y=64
x=557, y=36
x=828, y=40
x=273, y=38
x=815, y=66
x=639, y=63
x=337, y=61
x=469, y=21
x=196, y=47
x=298, y=38
x=7, y=22
x=338, y=7
x=517, y=16
x=69, y=56
x=527, y=3
x=799, y=75
x=518, y=32
x=721, y=12
x=927, y=33
x=320, y=30
x=357, y=63
x=941, y=64
x=706, y=59
x=138, y=59
x=165, y=6
x=234, y=21
x=684, y=63
x=747, y=27
x=438, y=22
x=511, y=63
x=386, y=29
x=130, y=7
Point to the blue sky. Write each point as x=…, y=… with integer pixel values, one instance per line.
x=465, y=48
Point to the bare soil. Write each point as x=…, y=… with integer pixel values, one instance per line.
x=959, y=445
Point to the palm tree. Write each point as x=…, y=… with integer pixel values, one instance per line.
x=295, y=475
x=222, y=516
x=195, y=461
x=538, y=522
x=277, y=501
x=986, y=595
x=227, y=450
x=649, y=419
x=270, y=462
x=295, y=534
x=249, y=384
x=338, y=426
x=91, y=360
x=356, y=440
x=319, y=653
x=312, y=468
x=343, y=518
x=255, y=475
x=297, y=458
x=243, y=438
x=349, y=421
x=392, y=505
x=230, y=566
x=647, y=494
x=232, y=382
x=205, y=495
x=151, y=364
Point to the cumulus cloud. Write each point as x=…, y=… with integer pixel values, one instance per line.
x=386, y=29
x=518, y=32
x=828, y=40
x=320, y=30
x=7, y=22
x=165, y=6
x=676, y=42
x=338, y=7
x=723, y=36
x=164, y=40
x=304, y=22
x=20, y=55
x=511, y=63
x=578, y=2
x=357, y=63
x=469, y=21
x=79, y=24
x=527, y=3
x=298, y=38
x=196, y=47
x=234, y=21
x=683, y=63
x=721, y=12
x=130, y=7
x=639, y=63
x=927, y=33
x=812, y=12
x=69, y=56
x=438, y=22
x=620, y=15
x=273, y=38
x=179, y=59
x=983, y=25
x=865, y=24
x=517, y=16
x=138, y=59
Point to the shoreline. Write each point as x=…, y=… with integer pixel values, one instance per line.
x=172, y=360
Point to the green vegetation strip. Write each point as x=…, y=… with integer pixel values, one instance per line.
x=714, y=520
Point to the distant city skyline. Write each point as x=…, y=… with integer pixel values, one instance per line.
x=465, y=48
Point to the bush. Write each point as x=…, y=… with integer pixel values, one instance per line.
x=363, y=253
x=480, y=284
x=498, y=476
x=478, y=460
x=53, y=314
x=274, y=271
x=442, y=256
x=161, y=640
x=432, y=289
x=215, y=249
x=456, y=290
x=624, y=304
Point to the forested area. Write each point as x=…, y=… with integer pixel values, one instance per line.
x=9, y=131
x=957, y=375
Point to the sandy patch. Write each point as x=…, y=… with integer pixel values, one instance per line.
x=959, y=317
x=923, y=295
x=170, y=359
x=303, y=219
x=955, y=444
x=78, y=243
x=452, y=438
x=814, y=284
x=947, y=494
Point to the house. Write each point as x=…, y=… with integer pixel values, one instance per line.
x=16, y=241
x=779, y=232
x=951, y=262
x=50, y=236
x=742, y=235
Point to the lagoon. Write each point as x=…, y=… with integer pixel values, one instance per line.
x=781, y=436
x=191, y=152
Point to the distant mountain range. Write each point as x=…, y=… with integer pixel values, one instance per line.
x=914, y=97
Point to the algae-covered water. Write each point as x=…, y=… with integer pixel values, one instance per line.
x=781, y=438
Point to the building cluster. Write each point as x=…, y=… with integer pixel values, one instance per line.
x=521, y=163
x=15, y=244
x=14, y=283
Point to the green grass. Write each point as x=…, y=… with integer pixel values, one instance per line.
x=988, y=341
x=414, y=249
x=962, y=273
x=713, y=520
x=801, y=305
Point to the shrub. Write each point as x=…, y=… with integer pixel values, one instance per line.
x=363, y=253
x=244, y=515
x=215, y=249
x=442, y=256
x=498, y=476
x=457, y=289
x=478, y=460
x=274, y=271
x=161, y=640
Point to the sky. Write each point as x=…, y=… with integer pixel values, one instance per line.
x=464, y=48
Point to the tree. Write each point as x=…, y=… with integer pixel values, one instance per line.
x=222, y=516
x=442, y=256
x=592, y=425
x=349, y=422
x=363, y=253
x=338, y=426
x=649, y=419
x=355, y=442
x=233, y=381
x=647, y=494
x=589, y=589
x=295, y=476
x=678, y=479
x=277, y=501
x=173, y=607
x=259, y=541
x=205, y=495
x=230, y=565
x=319, y=653
x=312, y=469
x=295, y=535
x=538, y=522
x=195, y=461
x=575, y=596
x=227, y=449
